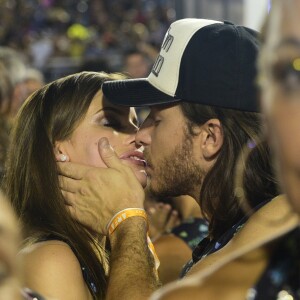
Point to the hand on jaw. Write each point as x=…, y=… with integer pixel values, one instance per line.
x=95, y=195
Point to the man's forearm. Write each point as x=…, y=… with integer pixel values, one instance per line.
x=132, y=271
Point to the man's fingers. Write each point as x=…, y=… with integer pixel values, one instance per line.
x=72, y=170
x=69, y=198
x=108, y=155
x=72, y=211
x=172, y=221
x=69, y=184
x=80, y=218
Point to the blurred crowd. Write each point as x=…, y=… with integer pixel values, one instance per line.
x=60, y=37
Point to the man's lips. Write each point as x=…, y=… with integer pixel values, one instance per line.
x=136, y=157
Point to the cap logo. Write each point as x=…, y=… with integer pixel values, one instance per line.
x=167, y=42
x=166, y=45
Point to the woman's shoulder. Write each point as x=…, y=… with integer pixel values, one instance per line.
x=48, y=253
x=45, y=246
x=52, y=269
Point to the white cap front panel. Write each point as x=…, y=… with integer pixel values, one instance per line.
x=165, y=72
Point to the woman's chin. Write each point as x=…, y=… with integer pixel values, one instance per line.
x=141, y=177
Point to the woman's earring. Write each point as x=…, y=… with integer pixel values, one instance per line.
x=63, y=157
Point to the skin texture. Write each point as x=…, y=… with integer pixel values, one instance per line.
x=51, y=268
x=280, y=83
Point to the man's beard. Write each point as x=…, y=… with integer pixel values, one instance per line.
x=178, y=174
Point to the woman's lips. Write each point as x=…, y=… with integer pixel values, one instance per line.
x=135, y=157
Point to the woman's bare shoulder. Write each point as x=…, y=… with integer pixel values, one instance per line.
x=52, y=269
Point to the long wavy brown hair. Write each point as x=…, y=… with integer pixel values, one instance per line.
x=218, y=199
x=31, y=183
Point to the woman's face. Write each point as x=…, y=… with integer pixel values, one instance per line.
x=117, y=124
x=280, y=71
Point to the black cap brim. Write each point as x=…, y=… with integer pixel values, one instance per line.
x=135, y=92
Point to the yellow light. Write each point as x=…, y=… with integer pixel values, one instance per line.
x=78, y=31
x=296, y=64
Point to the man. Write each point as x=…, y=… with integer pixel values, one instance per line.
x=203, y=112
x=276, y=251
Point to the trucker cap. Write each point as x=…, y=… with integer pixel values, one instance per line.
x=201, y=61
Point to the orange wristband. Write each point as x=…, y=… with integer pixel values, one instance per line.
x=124, y=214
x=152, y=250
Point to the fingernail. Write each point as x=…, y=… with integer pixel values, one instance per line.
x=151, y=210
x=104, y=144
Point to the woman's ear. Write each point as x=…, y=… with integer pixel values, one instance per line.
x=212, y=138
x=60, y=152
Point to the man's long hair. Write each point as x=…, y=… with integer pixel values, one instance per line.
x=218, y=201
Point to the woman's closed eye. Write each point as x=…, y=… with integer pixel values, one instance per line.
x=110, y=122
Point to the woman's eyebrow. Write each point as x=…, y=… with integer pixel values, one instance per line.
x=109, y=108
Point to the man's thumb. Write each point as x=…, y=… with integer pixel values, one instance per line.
x=108, y=154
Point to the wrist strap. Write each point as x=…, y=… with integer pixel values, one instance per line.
x=124, y=214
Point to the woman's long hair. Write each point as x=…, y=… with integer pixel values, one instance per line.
x=31, y=183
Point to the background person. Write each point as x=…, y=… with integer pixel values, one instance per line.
x=16, y=70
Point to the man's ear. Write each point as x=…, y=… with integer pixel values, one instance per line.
x=212, y=138
x=60, y=151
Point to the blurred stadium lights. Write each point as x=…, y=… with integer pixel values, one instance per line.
x=245, y=12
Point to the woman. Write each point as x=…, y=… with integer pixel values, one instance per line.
x=64, y=120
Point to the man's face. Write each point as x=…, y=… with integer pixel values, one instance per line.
x=173, y=167
x=280, y=80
